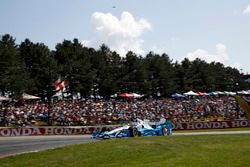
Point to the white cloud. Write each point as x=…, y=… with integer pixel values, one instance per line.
x=220, y=55
x=121, y=35
x=247, y=10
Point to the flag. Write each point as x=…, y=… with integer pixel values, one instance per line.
x=60, y=85
x=57, y=83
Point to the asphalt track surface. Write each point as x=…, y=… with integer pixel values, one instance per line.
x=17, y=145
x=10, y=146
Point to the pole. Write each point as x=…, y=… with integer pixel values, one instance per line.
x=49, y=108
x=49, y=95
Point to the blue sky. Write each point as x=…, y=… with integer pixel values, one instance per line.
x=210, y=29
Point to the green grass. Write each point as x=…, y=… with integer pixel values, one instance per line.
x=174, y=151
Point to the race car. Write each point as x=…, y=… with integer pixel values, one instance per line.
x=139, y=128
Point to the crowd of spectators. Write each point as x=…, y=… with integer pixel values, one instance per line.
x=116, y=111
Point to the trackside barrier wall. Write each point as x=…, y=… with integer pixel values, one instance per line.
x=81, y=130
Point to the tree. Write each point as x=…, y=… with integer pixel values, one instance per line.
x=41, y=67
x=108, y=71
x=161, y=73
x=75, y=64
x=33, y=68
x=14, y=78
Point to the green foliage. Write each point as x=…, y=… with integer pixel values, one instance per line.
x=40, y=66
x=13, y=74
x=74, y=65
x=33, y=68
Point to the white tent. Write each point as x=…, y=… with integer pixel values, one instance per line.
x=135, y=95
x=190, y=93
x=114, y=96
x=130, y=95
x=2, y=98
x=177, y=95
x=232, y=93
x=26, y=96
x=212, y=94
x=220, y=93
x=243, y=92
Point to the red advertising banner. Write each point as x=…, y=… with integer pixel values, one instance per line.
x=211, y=125
x=29, y=131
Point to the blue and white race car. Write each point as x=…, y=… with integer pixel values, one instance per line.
x=139, y=128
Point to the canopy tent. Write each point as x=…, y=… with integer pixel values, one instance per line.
x=190, y=93
x=243, y=92
x=26, y=96
x=113, y=96
x=232, y=93
x=201, y=93
x=177, y=95
x=125, y=95
x=135, y=95
x=212, y=94
x=130, y=95
x=220, y=93
x=3, y=98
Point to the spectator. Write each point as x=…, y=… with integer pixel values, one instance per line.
x=90, y=112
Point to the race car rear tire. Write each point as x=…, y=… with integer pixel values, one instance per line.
x=164, y=130
x=135, y=132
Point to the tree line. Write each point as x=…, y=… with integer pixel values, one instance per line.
x=33, y=68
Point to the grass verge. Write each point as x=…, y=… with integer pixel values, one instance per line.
x=174, y=151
